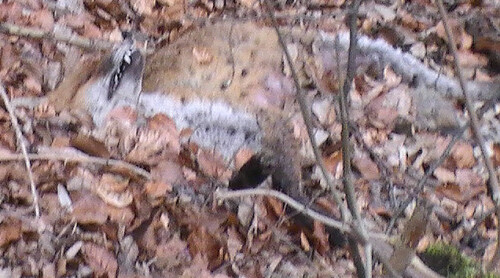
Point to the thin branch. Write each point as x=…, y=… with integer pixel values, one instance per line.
x=306, y=114
x=364, y=270
x=82, y=159
x=381, y=244
x=35, y=33
x=474, y=122
x=304, y=209
x=22, y=145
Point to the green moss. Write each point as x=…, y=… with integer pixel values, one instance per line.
x=449, y=262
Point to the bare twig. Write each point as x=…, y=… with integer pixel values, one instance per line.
x=82, y=159
x=328, y=221
x=22, y=145
x=306, y=114
x=382, y=248
x=36, y=33
x=364, y=270
x=474, y=122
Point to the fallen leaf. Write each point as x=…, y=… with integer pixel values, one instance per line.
x=458, y=194
x=444, y=175
x=202, y=242
x=168, y=172
x=212, y=164
x=113, y=190
x=234, y=243
x=89, y=145
x=10, y=230
x=463, y=155
x=171, y=254
x=143, y=7
x=366, y=166
x=320, y=236
x=89, y=209
x=157, y=189
x=304, y=242
x=102, y=261
x=242, y=156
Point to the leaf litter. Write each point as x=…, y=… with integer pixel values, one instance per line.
x=124, y=225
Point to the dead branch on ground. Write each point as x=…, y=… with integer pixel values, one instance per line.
x=494, y=187
x=22, y=145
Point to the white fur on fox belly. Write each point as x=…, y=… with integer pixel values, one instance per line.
x=215, y=124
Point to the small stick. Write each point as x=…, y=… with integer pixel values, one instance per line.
x=306, y=115
x=82, y=159
x=13, y=29
x=22, y=145
x=474, y=122
x=363, y=269
x=328, y=221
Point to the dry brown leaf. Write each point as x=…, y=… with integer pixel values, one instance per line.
x=89, y=145
x=163, y=123
x=168, y=172
x=234, y=243
x=154, y=145
x=463, y=155
x=248, y=3
x=113, y=190
x=379, y=114
x=496, y=154
x=171, y=254
x=60, y=142
x=49, y=271
x=444, y=175
x=242, y=157
x=102, y=261
x=202, y=242
x=306, y=246
x=143, y=7
x=459, y=194
x=471, y=60
x=462, y=38
x=198, y=268
x=333, y=161
x=157, y=189
x=123, y=216
x=320, y=236
x=468, y=178
x=212, y=165
x=89, y=209
x=33, y=85
x=170, y=2
x=10, y=230
x=334, y=3
x=42, y=18
x=116, y=199
x=114, y=183
x=366, y=166
x=275, y=205
x=391, y=78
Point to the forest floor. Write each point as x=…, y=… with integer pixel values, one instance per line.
x=131, y=205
